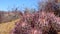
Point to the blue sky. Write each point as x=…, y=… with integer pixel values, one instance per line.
x=9, y=4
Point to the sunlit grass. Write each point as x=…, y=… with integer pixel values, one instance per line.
x=5, y=28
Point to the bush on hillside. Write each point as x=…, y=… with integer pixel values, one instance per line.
x=38, y=22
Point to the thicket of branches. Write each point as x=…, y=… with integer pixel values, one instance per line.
x=44, y=21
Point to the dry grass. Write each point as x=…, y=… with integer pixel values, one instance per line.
x=5, y=28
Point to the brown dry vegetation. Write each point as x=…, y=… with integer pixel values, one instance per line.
x=48, y=15
x=8, y=16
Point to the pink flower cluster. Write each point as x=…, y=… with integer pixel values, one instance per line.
x=39, y=22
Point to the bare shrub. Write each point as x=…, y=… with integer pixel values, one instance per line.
x=44, y=23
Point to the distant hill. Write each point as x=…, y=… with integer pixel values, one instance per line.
x=9, y=16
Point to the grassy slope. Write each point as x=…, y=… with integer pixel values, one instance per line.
x=5, y=28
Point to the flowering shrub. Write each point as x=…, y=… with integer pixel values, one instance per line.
x=37, y=23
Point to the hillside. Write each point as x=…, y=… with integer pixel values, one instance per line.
x=8, y=16
x=5, y=28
